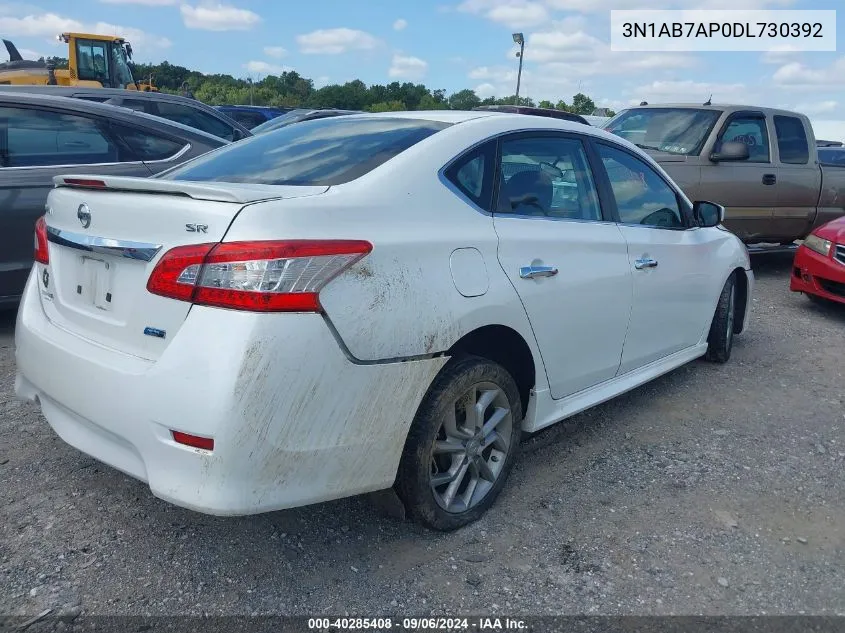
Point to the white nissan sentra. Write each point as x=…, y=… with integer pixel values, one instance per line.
x=360, y=302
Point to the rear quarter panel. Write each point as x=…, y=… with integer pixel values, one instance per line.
x=400, y=301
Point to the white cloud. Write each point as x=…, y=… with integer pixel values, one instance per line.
x=688, y=91
x=147, y=3
x=51, y=24
x=218, y=17
x=264, y=68
x=817, y=107
x=407, y=67
x=319, y=82
x=602, y=6
x=485, y=90
x=400, y=24
x=830, y=130
x=797, y=75
x=516, y=14
x=335, y=41
x=275, y=51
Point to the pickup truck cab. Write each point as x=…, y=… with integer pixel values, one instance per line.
x=761, y=164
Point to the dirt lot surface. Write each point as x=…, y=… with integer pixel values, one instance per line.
x=713, y=490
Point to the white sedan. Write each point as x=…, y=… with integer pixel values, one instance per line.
x=360, y=302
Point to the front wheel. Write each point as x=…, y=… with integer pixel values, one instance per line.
x=461, y=445
x=721, y=338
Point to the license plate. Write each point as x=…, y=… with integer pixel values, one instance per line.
x=95, y=283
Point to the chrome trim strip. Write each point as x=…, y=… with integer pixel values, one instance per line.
x=143, y=251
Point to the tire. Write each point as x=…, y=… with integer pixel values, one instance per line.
x=721, y=338
x=459, y=454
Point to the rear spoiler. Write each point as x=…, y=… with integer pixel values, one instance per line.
x=238, y=193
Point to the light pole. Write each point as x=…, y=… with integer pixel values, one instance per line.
x=519, y=39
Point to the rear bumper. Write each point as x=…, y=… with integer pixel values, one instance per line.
x=817, y=275
x=294, y=421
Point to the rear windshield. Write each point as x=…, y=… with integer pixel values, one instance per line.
x=832, y=156
x=321, y=152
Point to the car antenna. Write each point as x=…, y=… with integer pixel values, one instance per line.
x=643, y=103
x=709, y=101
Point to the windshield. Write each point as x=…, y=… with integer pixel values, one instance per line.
x=326, y=152
x=671, y=130
x=122, y=73
x=280, y=121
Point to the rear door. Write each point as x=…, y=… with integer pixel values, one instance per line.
x=799, y=179
x=674, y=293
x=748, y=189
x=567, y=261
x=36, y=144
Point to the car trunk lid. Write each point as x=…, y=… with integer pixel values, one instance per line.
x=106, y=235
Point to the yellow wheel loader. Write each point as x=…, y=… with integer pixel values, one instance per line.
x=94, y=61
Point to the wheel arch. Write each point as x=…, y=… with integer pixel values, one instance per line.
x=505, y=346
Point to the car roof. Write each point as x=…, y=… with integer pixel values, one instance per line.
x=720, y=107
x=11, y=98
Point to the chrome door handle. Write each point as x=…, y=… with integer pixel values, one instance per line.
x=532, y=272
x=645, y=263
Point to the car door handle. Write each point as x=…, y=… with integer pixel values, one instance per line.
x=645, y=263
x=532, y=272
x=769, y=179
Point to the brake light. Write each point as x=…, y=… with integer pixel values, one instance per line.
x=87, y=183
x=42, y=254
x=284, y=276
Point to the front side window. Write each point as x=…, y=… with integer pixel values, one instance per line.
x=547, y=176
x=35, y=138
x=792, y=140
x=642, y=196
x=325, y=152
x=750, y=130
x=92, y=61
x=670, y=130
x=195, y=118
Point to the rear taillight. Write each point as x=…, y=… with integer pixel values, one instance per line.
x=284, y=276
x=42, y=254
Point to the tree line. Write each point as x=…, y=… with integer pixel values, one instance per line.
x=290, y=89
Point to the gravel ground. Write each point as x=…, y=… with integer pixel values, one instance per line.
x=713, y=490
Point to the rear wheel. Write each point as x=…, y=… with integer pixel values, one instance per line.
x=462, y=444
x=721, y=339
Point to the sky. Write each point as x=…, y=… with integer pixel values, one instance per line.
x=451, y=44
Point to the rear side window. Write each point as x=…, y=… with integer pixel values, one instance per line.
x=139, y=105
x=792, y=140
x=472, y=174
x=36, y=138
x=195, y=118
x=146, y=146
x=324, y=152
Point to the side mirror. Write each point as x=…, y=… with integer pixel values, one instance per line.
x=708, y=213
x=731, y=151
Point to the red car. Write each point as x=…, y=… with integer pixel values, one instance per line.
x=819, y=266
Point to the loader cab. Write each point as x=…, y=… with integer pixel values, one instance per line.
x=98, y=60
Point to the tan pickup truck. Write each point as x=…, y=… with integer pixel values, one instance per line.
x=759, y=163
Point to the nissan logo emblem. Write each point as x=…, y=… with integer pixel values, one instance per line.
x=84, y=215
